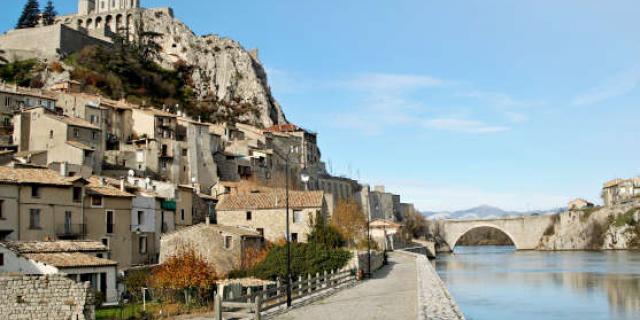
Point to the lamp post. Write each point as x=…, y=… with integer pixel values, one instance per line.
x=304, y=177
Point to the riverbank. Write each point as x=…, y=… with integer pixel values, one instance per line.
x=434, y=300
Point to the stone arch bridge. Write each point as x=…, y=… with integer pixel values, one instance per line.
x=525, y=232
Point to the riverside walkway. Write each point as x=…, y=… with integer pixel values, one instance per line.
x=392, y=293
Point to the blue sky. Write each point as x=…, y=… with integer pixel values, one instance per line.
x=519, y=104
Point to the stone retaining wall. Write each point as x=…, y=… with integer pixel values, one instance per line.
x=45, y=297
x=434, y=300
x=360, y=261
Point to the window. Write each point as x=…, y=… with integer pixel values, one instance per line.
x=110, y=224
x=7, y=101
x=34, y=218
x=261, y=232
x=1, y=259
x=50, y=134
x=297, y=216
x=142, y=245
x=76, y=132
x=105, y=241
x=182, y=214
x=1, y=212
x=294, y=237
x=140, y=218
x=184, y=152
x=99, y=255
x=35, y=191
x=94, y=135
x=96, y=201
x=77, y=194
x=248, y=215
x=227, y=242
x=92, y=119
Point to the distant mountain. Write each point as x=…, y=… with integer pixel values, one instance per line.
x=484, y=212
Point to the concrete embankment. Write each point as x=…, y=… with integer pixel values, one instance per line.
x=433, y=298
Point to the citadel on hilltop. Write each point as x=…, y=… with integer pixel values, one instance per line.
x=95, y=23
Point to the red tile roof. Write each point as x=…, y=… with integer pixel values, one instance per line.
x=272, y=200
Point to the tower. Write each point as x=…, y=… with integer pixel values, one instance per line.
x=86, y=7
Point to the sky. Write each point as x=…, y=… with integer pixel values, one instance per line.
x=451, y=104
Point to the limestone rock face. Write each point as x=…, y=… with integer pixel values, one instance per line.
x=222, y=67
x=591, y=229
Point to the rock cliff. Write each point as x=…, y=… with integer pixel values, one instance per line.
x=615, y=227
x=222, y=67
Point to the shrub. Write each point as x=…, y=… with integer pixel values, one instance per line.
x=306, y=258
x=19, y=72
x=626, y=218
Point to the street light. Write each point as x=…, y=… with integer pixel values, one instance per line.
x=304, y=177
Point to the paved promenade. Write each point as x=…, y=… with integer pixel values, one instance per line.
x=391, y=294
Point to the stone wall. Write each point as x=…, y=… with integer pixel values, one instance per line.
x=359, y=260
x=434, y=300
x=45, y=297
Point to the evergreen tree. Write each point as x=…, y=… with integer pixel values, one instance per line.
x=29, y=16
x=49, y=14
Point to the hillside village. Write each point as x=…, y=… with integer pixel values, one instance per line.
x=94, y=187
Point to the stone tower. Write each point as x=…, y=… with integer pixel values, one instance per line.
x=87, y=7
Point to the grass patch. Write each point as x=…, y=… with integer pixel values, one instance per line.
x=154, y=310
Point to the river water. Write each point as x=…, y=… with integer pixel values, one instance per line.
x=497, y=282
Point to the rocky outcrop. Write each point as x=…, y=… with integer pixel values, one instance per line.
x=222, y=67
x=605, y=228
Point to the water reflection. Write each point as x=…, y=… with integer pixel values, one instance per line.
x=501, y=283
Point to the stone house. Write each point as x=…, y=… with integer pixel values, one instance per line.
x=619, y=191
x=71, y=140
x=265, y=212
x=40, y=204
x=155, y=146
x=14, y=99
x=82, y=261
x=384, y=205
x=387, y=233
x=340, y=188
x=579, y=204
x=224, y=247
x=197, y=165
x=108, y=212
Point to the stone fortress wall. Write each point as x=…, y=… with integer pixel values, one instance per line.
x=45, y=297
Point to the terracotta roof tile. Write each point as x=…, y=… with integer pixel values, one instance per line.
x=77, y=122
x=272, y=200
x=105, y=189
x=80, y=145
x=54, y=246
x=241, y=231
x=32, y=175
x=70, y=259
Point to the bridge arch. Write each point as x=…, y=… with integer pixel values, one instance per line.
x=454, y=237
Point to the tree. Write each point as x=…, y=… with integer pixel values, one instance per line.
x=49, y=14
x=325, y=234
x=349, y=219
x=29, y=16
x=187, y=270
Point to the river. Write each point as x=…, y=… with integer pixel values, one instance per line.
x=499, y=283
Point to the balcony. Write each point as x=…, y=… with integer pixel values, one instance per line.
x=71, y=231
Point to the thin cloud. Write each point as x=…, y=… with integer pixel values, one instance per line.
x=463, y=125
x=616, y=86
x=393, y=82
x=500, y=100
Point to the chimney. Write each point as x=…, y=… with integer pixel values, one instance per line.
x=63, y=169
x=122, y=184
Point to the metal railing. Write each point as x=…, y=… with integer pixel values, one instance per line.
x=71, y=230
x=251, y=305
